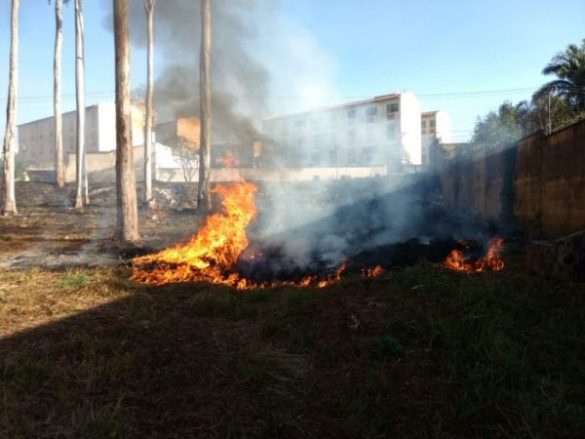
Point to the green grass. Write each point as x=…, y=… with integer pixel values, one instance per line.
x=422, y=352
x=73, y=279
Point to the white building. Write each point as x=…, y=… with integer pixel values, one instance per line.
x=36, y=139
x=381, y=131
x=435, y=128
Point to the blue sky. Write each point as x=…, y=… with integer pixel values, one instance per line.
x=465, y=57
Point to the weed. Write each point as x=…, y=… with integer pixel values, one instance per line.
x=73, y=279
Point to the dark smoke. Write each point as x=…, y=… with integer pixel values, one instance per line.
x=239, y=79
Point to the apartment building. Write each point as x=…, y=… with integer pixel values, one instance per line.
x=36, y=139
x=435, y=129
x=381, y=131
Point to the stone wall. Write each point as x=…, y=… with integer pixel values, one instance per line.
x=537, y=184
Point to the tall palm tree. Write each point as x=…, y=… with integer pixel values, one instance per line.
x=149, y=10
x=127, y=210
x=9, y=207
x=569, y=68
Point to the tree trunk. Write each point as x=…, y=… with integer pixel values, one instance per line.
x=127, y=219
x=203, y=195
x=9, y=207
x=59, y=165
x=85, y=181
x=149, y=9
x=80, y=95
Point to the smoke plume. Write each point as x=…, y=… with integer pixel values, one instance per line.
x=239, y=80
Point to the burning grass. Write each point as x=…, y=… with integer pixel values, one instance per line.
x=412, y=353
x=221, y=244
x=212, y=253
x=459, y=259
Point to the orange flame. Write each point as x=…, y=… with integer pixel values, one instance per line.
x=228, y=160
x=491, y=262
x=213, y=251
x=373, y=271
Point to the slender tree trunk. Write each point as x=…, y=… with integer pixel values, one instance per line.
x=127, y=220
x=203, y=195
x=85, y=181
x=149, y=9
x=80, y=95
x=59, y=165
x=9, y=207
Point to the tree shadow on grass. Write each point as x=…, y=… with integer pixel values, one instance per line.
x=174, y=361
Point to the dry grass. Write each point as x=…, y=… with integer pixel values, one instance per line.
x=419, y=352
x=33, y=297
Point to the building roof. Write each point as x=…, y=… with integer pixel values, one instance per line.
x=87, y=107
x=53, y=116
x=428, y=113
x=339, y=106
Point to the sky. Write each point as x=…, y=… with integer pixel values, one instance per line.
x=464, y=57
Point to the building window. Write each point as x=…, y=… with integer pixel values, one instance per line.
x=371, y=114
x=392, y=108
x=351, y=116
x=391, y=131
x=433, y=123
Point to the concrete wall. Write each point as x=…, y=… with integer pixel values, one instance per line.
x=550, y=182
x=288, y=174
x=537, y=185
x=101, y=166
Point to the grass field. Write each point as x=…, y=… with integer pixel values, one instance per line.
x=419, y=352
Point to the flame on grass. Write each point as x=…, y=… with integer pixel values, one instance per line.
x=212, y=253
x=373, y=271
x=490, y=262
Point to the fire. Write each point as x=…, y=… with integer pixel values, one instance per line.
x=228, y=160
x=212, y=253
x=491, y=262
x=373, y=271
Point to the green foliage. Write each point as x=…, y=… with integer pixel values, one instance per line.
x=73, y=279
x=555, y=105
x=569, y=68
x=498, y=128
